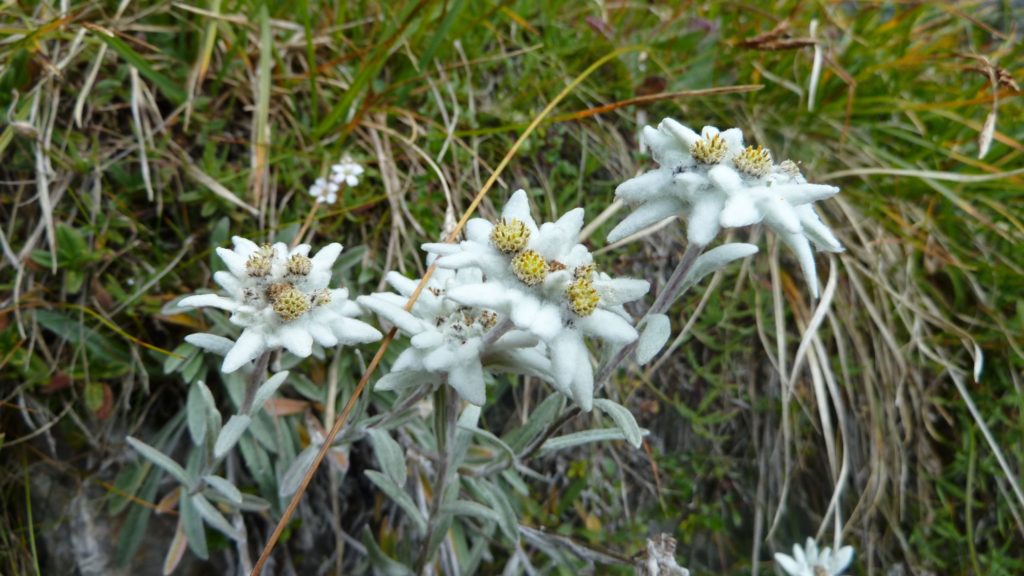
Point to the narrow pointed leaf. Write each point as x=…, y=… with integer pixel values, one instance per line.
x=225, y=488
x=230, y=434
x=267, y=389
x=399, y=497
x=652, y=339
x=214, y=518
x=623, y=419
x=163, y=461
x=390, y=455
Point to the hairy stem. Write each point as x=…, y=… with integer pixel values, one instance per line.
x=259, y=371
x=668, y=295
x=446, y=406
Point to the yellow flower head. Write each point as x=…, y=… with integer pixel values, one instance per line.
x=299, y=265
x=259, y=263
x=510, y=236
x=754, y=161
x=709, y=150
x=583, y=297
x=530, y=267
x=290, y=303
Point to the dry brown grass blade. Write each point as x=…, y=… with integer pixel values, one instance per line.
x=386, y=342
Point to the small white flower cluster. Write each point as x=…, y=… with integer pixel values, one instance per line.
x=345, y=172
x=539, y=279
x=715, y=182
x=809, y=561
x=450, y=340
x=280, y=296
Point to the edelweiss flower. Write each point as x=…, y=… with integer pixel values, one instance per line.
x=449, y=338
x=808, y=561
x=347, y=171
x=281, y=299
x=547, y=284
x=714, y=182
x=324, y=191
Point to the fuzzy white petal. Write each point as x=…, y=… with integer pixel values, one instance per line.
x=842, y=559
x=479, y=230
x=796, y=194
x=518, y=207
x=646, y=186
x=427, y=339
x=789, y=564
x=482, y=295
x=243, y=246
x=296, y=339
x=234, y=261
x=249, y=345
x=322, y=335
x=739, y=211
x=405, y=321
x=404, y=286
x=211, y=300
x=350, y=331
x=440, y=248
x=228, y=281
x=616, y=291
x=727, y=179
x=583, y=384
x=684, y=134
x=219, y=345
x=703, y=224
x=816, y=230
x=608, y=326
x=467, y=378
x=326, y=256
x=647, y=214
x=733, y=139
x=564, y=360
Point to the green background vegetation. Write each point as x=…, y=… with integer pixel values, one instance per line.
x=236, y=99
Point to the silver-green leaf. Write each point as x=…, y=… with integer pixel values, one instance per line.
x=267, y=389
x=585, y=437
x=293, y=476
x=163, y=461
x=214, y=518
x=197, y=415
x=230, y=434
x=399, y=497
x=715, y=259
x=389, y=454
x=623, y=418
x=657, y=329
x=225, y=488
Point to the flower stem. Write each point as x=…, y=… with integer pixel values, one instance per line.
x=495, y=334
x=662, y=303
x=446, y=408
x=255, y=379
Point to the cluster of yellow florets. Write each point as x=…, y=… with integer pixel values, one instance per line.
x=754, y=161
x=299, y=265
x=510, y=236
x=260, y=262
x=790, y=168
x=530, y=267
x=583, y=297
x=709, y=150
x=290, y=303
